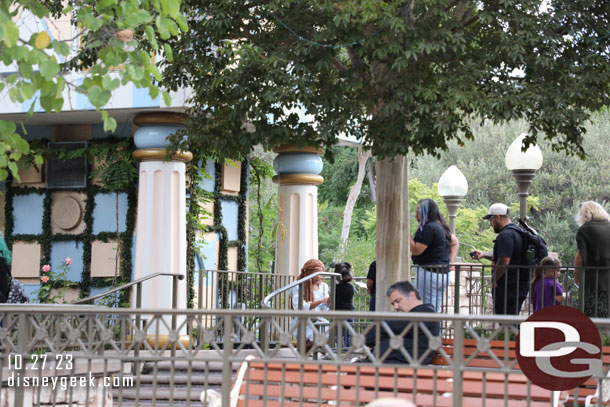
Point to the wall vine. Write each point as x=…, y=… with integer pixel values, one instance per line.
x=117, y=171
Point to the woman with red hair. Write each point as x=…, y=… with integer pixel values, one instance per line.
x=315, y=294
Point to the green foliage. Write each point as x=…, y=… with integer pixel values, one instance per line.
x=111, y=35
x=360, y=252
x=339, y=175
x=406, y=76
x=559, y=187
x=116, y=167
x=263, y=213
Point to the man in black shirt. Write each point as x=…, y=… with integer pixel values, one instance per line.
x=405, y=298
x=510, y=283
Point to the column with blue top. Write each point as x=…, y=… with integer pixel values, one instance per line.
x=298, y=176
x=161, y=215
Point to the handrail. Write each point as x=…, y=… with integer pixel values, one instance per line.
x=126, y=285
x=294, y=284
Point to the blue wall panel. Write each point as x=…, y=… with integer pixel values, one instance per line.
x=207, y=250
x=141, y=98
x=82, y=101
x=230, y=210
x=104, y=214
x=208, y=184
x=30, y=290
x=98, y=290
x=72, y=249
x=27, y=212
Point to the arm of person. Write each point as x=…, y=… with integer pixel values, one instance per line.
x=577, y=263
x=369, y=286
x=559, y=294
x=500, y=270
x=306, y=305
x=478, y=255
x=454, y=247
x=416, y=247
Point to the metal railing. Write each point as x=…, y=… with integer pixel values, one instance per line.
x=299, y=283
x=237, y=290
x=177, y=371
x=302, y=322
x=467, y=290
x=138, y=284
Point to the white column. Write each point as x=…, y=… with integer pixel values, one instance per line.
x=161, y=216
x=297, y=232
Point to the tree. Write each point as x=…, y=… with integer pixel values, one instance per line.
x=111, y=33
x=406, y=76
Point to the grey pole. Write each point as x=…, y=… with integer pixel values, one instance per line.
x=452, y=203
x=524, y=180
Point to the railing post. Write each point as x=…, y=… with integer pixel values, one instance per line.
x=333, y=297
x=227, y=369
x=456, y=293
x=301, y=332
x=24, y=336
x=458, y=361
x=136, y=348
x=262, y=330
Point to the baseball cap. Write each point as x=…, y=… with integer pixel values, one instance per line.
x=496, y=209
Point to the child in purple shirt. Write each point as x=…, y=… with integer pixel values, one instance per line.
x=545, y=289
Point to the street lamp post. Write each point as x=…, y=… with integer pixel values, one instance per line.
x=452, y=186
x=523, y=165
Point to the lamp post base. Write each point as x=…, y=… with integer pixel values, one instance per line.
x=452, y=203
x=524, y=180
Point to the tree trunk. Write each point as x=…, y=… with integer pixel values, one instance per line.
x=354, y=192
x=392, y=226
x=371, y=173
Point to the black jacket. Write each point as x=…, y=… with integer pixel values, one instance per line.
x=397, y=327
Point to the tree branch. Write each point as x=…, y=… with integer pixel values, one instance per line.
x=338, y=64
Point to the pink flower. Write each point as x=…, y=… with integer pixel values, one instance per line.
x=68, y=261
x=46, y=268
x=45, y=279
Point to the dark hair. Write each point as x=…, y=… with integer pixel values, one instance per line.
x=405, y=288
x=546, y=263
x=345, y=270
x=429, y=212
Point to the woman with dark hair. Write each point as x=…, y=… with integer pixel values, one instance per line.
x=344, y=298
x=432, y=248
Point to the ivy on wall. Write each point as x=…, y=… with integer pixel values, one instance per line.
x=117, y=172
x=195, y=228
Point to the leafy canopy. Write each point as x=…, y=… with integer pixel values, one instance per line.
x=404, y=75
x=108, y=34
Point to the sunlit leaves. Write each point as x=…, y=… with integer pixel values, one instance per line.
x=42, y=40
x=104, y=54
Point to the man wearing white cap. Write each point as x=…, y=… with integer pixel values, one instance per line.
x=510, y=283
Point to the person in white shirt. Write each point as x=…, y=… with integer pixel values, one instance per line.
x=315, y=297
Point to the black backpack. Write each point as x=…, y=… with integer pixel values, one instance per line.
x=534, y=246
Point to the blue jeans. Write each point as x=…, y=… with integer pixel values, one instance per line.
x=346, y=336
x=431, y=286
